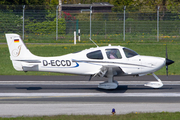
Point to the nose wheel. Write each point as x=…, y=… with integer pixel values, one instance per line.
x=158, y=84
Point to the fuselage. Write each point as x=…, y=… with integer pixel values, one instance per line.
x=90, y=61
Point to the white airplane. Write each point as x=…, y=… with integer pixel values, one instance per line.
x=107, y=61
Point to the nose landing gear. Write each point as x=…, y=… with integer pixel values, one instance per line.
x=158, y=84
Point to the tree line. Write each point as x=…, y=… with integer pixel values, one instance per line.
x=131, y=4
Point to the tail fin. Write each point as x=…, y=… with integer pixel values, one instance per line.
x=18, y=51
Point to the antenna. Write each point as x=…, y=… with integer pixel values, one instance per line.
x=90, y=11
x=93, y=42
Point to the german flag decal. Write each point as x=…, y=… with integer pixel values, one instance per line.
x=16, y=40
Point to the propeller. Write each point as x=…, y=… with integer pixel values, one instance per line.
x=168, y=61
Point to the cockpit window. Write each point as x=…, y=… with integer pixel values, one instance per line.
x=95, y=55
x=129, y=53
x=113, y=54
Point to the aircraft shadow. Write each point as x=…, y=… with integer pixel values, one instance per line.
x=30, y=88
x=89, y=89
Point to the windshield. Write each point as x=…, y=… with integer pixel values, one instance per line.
x=129, y=53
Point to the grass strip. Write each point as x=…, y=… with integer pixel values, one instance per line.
x=130, y=116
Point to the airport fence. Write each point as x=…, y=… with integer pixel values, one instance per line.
x=45, y=24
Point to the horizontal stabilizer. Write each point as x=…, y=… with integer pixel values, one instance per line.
x=30, y=68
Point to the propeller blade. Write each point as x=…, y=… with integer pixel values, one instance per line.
x=167, y=70
x=168, y=61
x=166, y=52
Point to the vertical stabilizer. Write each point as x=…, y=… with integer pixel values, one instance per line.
x=17, y=48
x=18, y=51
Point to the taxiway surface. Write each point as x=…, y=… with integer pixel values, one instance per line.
x=53, y=95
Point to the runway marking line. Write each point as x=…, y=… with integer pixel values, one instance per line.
x=39, y=95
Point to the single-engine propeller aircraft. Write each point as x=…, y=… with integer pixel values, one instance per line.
x=107, y=61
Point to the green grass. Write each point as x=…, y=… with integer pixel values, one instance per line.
x=104, y=38
x=130, y=116
x=150, y=49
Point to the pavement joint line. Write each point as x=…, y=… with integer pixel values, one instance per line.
x=90, y=94
x=80, y=82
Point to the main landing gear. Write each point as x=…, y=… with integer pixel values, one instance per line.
x=110, y=84
x=158, y=84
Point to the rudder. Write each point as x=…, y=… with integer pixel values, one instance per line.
x=18, y=51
